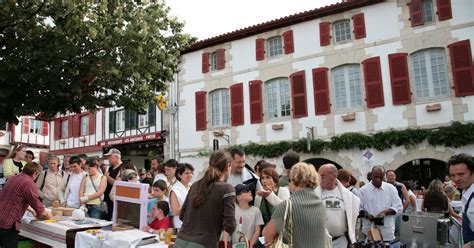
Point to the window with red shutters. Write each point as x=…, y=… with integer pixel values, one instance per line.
x=461, y=64
x=91, y=123
x=201, y=121
x=321, y=91
x=399, y=78
x=324, y=33
x=205, y=62
x=359, y=26
x=298, y=93
x=288, y=41
x=76, y=126
x=237, y=104
x=26, y=125
x=444, y=10
x=57, y=129
x=256, y=104
x=416, y=13
x=373, y=83
x=259, y=49
x=70, y=124
x=44, y=128
x=220, y=59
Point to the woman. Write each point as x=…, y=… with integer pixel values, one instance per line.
x=209, y=208
x=308, y=211
x=69, y=195
x=348, y=180
x=92, y=190
x=435, y=199
x=451, y=191
x=179, y=191
x=271, y=195
x=411, y=207
x=14, y=162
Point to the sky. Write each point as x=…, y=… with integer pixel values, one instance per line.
x=208, y=18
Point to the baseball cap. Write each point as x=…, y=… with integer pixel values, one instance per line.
x=241, y=188
x=113, y=151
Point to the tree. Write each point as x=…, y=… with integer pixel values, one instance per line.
x=59, y=56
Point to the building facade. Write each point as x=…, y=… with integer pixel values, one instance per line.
x=353, y=67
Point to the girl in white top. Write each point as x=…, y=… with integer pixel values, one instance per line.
x=411, y=207
x=92, y=190
x=271, y=195
x=184, y=173
x=69, y=195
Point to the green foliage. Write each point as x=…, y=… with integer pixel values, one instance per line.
x=60, y=56
x=455, y=135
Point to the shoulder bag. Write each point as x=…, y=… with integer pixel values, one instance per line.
x=103, y=205
x=286, y=227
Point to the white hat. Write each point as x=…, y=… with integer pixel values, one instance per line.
x=113, y=151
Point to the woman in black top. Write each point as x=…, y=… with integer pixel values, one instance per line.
x=435, y=199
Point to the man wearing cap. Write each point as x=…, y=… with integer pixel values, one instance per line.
x=115, y=161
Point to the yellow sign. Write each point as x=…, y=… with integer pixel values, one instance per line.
x=161, y=102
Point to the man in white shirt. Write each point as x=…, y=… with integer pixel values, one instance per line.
x=461, y=168
x=342, y=207
x=379, y=205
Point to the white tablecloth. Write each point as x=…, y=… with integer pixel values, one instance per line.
x=109, y=239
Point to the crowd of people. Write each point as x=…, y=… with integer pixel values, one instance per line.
x=304, y=206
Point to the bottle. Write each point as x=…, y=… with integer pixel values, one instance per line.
x=168, y=236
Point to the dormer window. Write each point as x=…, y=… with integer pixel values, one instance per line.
x=274, y=46
x=342, y=31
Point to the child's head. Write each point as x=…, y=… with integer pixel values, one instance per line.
x=159, y=188
x=243, y=193
x=160, y=210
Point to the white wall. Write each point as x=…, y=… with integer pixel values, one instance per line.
x=462, y=11
x=443, y=116
x=188, y=136
x=381, y=21
x=192, y=69
x=357, y=125
x=243, y=54
x=306, y=39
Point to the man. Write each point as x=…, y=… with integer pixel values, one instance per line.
x=66, y=167
x=402, y=194
x=83, y=158
x=49, y=182
x=289, y=159
x=239, y=173
x=115, y=161
x=170, y=171
x=379, y=203
x=19, y=193
x=461, y=169
x=342, y=207
x=69, y=196
x=29, y=156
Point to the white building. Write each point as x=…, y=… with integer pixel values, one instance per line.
x=358, y=66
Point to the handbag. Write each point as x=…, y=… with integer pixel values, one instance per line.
x=287, y=227
x=103, y=205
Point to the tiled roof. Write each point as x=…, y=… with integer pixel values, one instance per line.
x=281, y=22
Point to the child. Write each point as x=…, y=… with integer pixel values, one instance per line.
x=251, y=216
x=160, y=217
x=158, y=193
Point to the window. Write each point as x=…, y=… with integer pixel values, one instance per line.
x=342, y=31
x=274, y=46
x=35, y=126
x=84, y=125
x=64, y=129
x=347, y=88
x=143, y=119
x=213, y=61
x=277, y=98
x=120, y=120
x=220, y=110
x=429, y=72
x=428, y=16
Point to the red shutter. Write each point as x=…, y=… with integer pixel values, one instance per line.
x=324, y=33
x=359, y=26
x=76, y=127
x=373, y=83
x=298, y=93
x=237, y=104
x=444, y=10
x=57, y=129
x=288, y=41
x=461, y=63
x=321, y=91
x=256, y=106
x=201, y=122
x=91, y=123
x=26, y=125
x=205, y=62
x=44, y=129
x=220, y=54
x=70, y=124
x=416, y=13
x=399, y=78
x=259, y=49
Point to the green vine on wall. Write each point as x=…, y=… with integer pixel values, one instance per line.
x=455, y=135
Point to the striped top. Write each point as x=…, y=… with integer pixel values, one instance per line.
x=308, y=216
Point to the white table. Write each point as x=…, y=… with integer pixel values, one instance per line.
x=118, y=239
